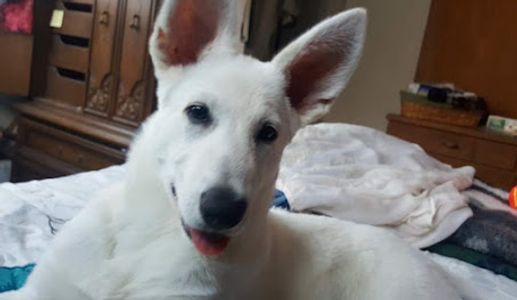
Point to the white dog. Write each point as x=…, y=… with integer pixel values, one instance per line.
x=192, y=220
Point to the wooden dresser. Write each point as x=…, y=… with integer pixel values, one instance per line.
x=493, y=155
x=96, y=89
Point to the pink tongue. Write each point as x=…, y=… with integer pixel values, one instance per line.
x=209, y=244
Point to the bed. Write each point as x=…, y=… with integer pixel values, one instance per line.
x=344, y=167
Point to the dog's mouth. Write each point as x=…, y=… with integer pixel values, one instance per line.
x=207, y=243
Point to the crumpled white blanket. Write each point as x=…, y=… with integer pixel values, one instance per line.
x=363, y=175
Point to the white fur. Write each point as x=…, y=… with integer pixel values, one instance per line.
x=129, y=242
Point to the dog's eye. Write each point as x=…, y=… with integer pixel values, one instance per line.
x=198, y=114
x=267, y=134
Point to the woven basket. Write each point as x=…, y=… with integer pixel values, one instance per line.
x=417, y=107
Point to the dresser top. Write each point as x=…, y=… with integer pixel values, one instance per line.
x=479, y=132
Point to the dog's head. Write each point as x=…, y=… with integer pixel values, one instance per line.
x=225, y=118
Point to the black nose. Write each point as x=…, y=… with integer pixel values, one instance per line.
x=222, y=208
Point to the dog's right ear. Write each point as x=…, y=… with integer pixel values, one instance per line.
x=186, y=31
x=318, y=64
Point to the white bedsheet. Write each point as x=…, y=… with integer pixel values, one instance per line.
x=31, y=212
x=480, y=283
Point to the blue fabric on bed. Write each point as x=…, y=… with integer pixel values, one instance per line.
x=14, y=278
x=280, y=201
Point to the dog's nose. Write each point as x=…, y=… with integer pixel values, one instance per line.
x=222, y=208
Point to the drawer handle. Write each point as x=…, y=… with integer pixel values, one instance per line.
x=105, y=18
x=136, y=23
x=451, y=145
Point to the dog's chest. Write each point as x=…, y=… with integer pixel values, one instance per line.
x=180, y=275
x=155, y=266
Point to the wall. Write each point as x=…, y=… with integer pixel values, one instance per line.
x=395, y=34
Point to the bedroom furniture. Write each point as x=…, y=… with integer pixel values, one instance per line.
x=16, y=61
x=96, y=89
x=440, y=107
x=17, y=41
x=493, y=155
x=473, y=44
x=22, y=55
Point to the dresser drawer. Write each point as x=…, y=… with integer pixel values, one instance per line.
x=65, y=54
x=75, y=151
x=453, y=162
x=496, y=155
x=77, y=19
x=29, y=164
x=435, y=141
x=62, y=86
x=496, y=177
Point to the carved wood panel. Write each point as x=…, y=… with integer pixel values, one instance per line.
x=135, y=78
x=102, y=79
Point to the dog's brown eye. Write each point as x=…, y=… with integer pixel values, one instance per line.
x=267, y=134
x=198, y=114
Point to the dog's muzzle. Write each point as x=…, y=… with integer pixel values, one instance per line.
x=222, y=210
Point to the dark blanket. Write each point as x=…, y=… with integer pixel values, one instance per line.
x=498, y=266
x=489, y=232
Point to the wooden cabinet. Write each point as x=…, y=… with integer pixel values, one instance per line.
x=49, y=152
x=15, y=62
x=99, y=87
x=103, y=72
x=135, y=76
x=493, y=155
x=473, y=45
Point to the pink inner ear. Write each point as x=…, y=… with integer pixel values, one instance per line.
x=192, y=26
x=318, y=61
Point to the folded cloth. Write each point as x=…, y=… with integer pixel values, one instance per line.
x=363, y=175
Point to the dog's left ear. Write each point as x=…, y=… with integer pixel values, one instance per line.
x=186, y=31
x=319, y=64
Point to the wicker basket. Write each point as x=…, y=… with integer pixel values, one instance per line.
x=418, y=107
